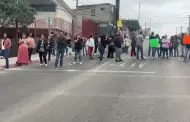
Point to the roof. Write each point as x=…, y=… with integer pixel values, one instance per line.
x=92, y=5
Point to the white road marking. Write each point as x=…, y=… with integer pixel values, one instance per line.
x=112, y=65
x=141, y=65
x=102, y=65
x=122, y=65
x=133, y=65
x=89, y=71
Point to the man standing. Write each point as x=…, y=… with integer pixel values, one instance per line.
x=140, y=45
x=61, y=46
x=96, y=44
x=149, y=49
x=118, y=46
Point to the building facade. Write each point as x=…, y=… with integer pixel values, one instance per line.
x=102, y=14
x=52, y=14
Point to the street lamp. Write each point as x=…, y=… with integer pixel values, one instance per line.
x=140, y=8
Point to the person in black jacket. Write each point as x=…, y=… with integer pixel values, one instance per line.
x=78, y=48
x=61, y=46
x=41, y=48
x=133, y=45
x=118, y=45
x=110, y=47
x=96, y=43
x=102, y=46
x=50, y=44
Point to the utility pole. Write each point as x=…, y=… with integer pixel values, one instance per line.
x=77, y=3
x=117, y=13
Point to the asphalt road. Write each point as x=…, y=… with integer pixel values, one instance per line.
x=129, y=91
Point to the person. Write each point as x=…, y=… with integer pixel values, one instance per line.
x=171, y=46
x=50, y=45
x=152, y=36
x=91, y=45
x=69, y=47
x=156, y=49
x=133, y=45
x=5, y=45
x=140, y=45
x=165, y=46
x=68, y=38
x=84, y=47
x=23, y=57
x=78, y=48
x=102, y=45
x=54, y=43
x=182, y=46
x=187, y=51
x=31, y=46
x=118, y=47
x=61, y=46
x=111, y=47
x=127, y=42
x=96, y=44
x=176, y=46
x=42, y=48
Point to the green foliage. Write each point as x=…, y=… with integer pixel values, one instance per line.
x=11, y=10
x=132, y=25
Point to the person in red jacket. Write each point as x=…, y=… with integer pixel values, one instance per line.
x=5, y=45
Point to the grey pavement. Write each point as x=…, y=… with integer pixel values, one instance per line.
x=129, y=91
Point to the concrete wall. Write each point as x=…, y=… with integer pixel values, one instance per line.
x=63, y=14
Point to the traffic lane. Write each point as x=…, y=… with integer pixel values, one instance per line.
x=116, y=98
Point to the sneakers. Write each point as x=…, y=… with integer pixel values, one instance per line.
x=45, y=65
x=80, y=62
x=41, y=64
x=74, y=62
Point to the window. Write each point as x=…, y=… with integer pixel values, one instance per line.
x=44, y=8
x=103, y=9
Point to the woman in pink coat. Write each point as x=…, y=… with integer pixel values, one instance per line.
x=23, y=57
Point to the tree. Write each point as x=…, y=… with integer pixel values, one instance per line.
x=10, y=11
x=132, y=25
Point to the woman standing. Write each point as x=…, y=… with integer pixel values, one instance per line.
x=68, y=38
x=133, y=45
x=23, y=57
x=91, y=46
x=165, y=46
x=31, y=46
x=102, y=46
x=111, y=47
x=41, y=48
x=50, y=45
x=5, y=45
x=78, y=48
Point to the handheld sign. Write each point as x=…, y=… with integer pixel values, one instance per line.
x=186, y=39
x=154, y=42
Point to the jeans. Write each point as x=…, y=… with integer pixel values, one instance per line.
x=154, y=51
x=182, y=50
x=149, y=50
x=42, y=56
x=101, y=50
x=30, y=50
x=5, y=54
x=140, y=48
x=176, y=52
x=78, y=54
x=187, y=51
x=49, y=54
x=165, y=51
x=59, y=55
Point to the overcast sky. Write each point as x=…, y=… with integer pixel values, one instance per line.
x=166, y=15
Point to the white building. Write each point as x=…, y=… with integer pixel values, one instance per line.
x=52, y=14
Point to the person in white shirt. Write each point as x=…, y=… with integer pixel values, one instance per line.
x=127, y=42
x=91, y=45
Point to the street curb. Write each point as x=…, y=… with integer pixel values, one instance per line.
x=15, y=65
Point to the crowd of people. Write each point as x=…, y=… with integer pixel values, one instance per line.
x=63, y=44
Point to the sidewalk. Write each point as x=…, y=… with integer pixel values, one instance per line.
x=12, y=61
